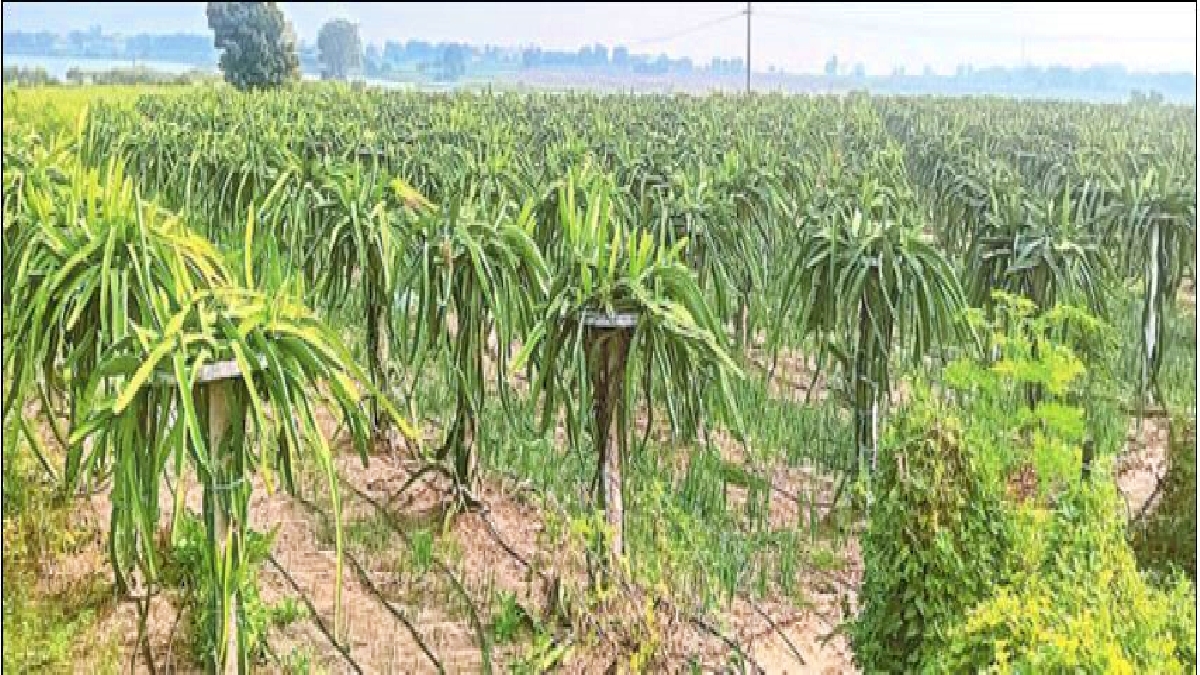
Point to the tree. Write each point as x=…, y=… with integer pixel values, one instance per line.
x=454, y=61
x=620, y=57
x=258, y=42
x=831, y=66
x=341, y=48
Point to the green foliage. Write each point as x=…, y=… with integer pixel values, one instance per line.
x=92, y=261
x=258, y=43
x=46, y=631
x=52, y=634
x=187, y=569
x=300, y=661
x=1074, y=601
x=1166, y=539
x=603, y=264
x=934, y=535
x=28, y=77
x=472, y=272
x=1039, y=246
x=509, y=618
x=868, y=276
x=422, y=551
x=1008, y=434
x=120, y=300
x=340, y=47
x=751, y=184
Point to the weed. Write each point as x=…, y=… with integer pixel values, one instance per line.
x=508, y=618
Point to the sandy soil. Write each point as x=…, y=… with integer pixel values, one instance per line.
x=506, y=549
x=1144, y=463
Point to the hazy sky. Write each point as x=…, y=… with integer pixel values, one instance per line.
x=797, y=36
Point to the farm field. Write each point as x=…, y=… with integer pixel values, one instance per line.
x=335, y=380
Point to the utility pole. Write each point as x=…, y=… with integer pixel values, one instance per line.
x=747, y=48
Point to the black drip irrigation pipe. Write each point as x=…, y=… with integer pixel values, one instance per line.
x=775, y=627
x=485, y=646
x=1158, y=484
x=316, y=617
x=695, y=619
x=699, y=621
x=487, y=520
x=366, y=581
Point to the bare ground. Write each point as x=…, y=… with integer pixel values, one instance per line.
x=506, y=549
x=512, y=524
x=1143, y=465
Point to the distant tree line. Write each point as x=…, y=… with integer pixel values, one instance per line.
x=346, y=56
x=27, y=77
x=38, y=76
x=177, y=47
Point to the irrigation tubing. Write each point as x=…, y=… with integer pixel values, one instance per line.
x=487, y=520
x=775, y=627
x=316, y=617
x=693, y=618
x=485, y=647
x=366, y=581
x=699, y=621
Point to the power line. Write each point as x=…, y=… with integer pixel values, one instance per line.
x=924, y=31
x=686, y=31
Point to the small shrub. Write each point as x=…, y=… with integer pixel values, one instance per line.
x=1075, y=601
x=934, y=535
x=508, y=619
x=189, y=570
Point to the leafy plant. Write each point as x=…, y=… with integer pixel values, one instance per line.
x=356, y=238
x=933, y=539
x=93, y=261
x=188, y=568
x=509, y=618
x=1047, y=436
x=1154, y=223
x=296, y=353
x=1045, y=620
x=605, y=269
x=1046, y=249
x=868, y=271
x=470, y=273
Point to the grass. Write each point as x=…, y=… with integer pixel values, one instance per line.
x=695, y=522
x=56, y=633
x=371, y=534
x=300, y=661
x=48, y=630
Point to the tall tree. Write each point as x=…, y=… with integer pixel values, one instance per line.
x=258, y=42
x=831, y=66
x=341, y=48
